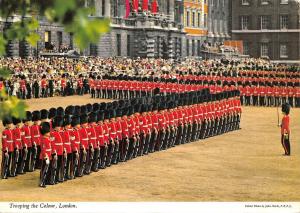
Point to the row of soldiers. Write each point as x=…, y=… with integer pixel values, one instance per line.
x=74, y=141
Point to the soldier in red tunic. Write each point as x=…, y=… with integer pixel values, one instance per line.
x=26, y=143
x=36, y=140
x=93, y=158
x=17, y=136
x=92, y=85
x=7, y=148
x=75, y=144
x=56, y=138
x=285, y=129
x=67, y=134
x=63, y=84
x=84, y=142
x=44, y=86
x=46, y=154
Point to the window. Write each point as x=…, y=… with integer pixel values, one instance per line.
x=264, y=22
x=283, y=51
x=118, y=44
x=246, y=48
x=187, y=47
x=128, y=45
x=103, y=7
x=284, y=1
x=245, y=2
x=198, y=47
x=193, y=19
x=71, y=40
x=47, y=40
x=264, y=2
x=264, y=49
x=187, y=18
x=199, y=19
x=59, y=38
x=284, y=19
x=205, y=20
x=244, y=22
x=193, y=47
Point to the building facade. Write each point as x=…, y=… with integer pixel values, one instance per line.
x=268, y=28
x=195, y=25
x=219, y=20
x=141, y=34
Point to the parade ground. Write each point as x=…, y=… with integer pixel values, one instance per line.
x=244, y=165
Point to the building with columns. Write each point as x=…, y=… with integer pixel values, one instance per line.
x=219, y=20
x=195, y=25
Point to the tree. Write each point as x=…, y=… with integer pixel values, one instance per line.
x=73, y=15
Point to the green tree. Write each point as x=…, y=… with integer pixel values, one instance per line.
x=73, y=15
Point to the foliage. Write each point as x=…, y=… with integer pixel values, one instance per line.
x=73, y=15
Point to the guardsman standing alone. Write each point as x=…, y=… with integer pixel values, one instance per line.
x=285, y=129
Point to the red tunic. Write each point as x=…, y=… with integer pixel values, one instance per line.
x=285, y=125
x=93, y=140
x=84, y=138
x=75, y=140
x=100, y=134
x=125, y=129
x=46, y=149
x=7, y=140
x=67, y=134
x=26, y=137
x=56, y=139
x=17, y=135
x=36, y=134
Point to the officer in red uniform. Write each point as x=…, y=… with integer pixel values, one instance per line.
x=102, y=140
x=56, y=138
x=46, y=154
x=125, y=137
x=26, y=143
x=75, y=144
x=68, y=154
x=7, y=148
x=17, y=136
x=107, y=144
x=98, y=87
x=36, y=141
x=285, y=129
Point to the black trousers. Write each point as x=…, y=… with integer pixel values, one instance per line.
x=286, y=144
x=44, y=173
x=6, y=165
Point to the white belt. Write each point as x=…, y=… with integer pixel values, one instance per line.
x=93, y=138
x=48, y=150
x=68, y=143
x=28, y=137
x=58, y=144
x=9, y=141
x=85, y=139
x=18, y=139
x=77, y=142
x=37, y=136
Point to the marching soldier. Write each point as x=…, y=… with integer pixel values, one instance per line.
x=44, y=86
x=93, y=158
x=7, y=148
x=84, y=143
x=46, y=154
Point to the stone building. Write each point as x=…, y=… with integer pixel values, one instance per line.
x=268, y=28
x=142, y=34
x=218, y=20
x=195, y=25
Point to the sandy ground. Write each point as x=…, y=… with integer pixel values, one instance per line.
x=245, y=165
